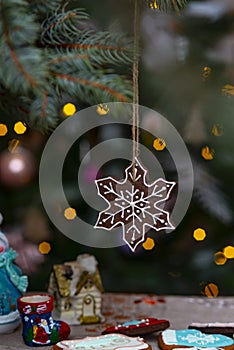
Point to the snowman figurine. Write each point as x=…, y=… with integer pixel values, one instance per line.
x=12, y=285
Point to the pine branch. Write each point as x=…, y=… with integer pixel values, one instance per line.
x=43, y=7
x=94, y=87
x=62, y=55
x=63, y=26
x=24, y=69
x=44, y=112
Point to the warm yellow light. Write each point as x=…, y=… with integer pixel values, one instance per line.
x=103, y=109
x=44, y=248
x=217, y=130
x=206, y=72
x=159, y=144
x=207, y=153
x=219, y=258
x=20, y=128
x=211, y=290
x=69, y=109
x=148, y=244
x=199, y=234
x=153, y=5
x=3, y=130
x=228, y=89
x=70, y=213
x=229, y=252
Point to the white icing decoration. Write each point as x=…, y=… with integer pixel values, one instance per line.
x=212, y=324
x=197, y=348
x=107, y=342
x=194, y=338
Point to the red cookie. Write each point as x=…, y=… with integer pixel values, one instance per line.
x=107, y=342
x=139, y=327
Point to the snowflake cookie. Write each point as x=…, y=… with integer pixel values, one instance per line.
x=134, y=205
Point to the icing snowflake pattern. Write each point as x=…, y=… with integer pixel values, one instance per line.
x=134, y=205
x=194, y=338
x=201, y=339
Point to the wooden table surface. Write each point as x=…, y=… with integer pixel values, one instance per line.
x=119, y=308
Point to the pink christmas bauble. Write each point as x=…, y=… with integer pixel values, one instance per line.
x=17, y=168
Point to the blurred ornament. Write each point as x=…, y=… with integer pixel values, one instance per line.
x=36, y=226
x=17, y=168
x=29, y=258
x=195, y=131
x=90, y=174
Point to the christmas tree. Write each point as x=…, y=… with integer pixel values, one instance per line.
x=61, y=55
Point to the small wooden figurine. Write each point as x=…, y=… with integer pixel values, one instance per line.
x=12, y=285
x=77, y=289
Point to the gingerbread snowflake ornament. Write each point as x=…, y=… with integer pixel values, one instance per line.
x=134, y=204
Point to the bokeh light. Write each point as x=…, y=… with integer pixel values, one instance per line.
x=70, y=213
x=20, y=128
x=228, y=89
x=219, y=258
x=148, y=244
x=159, y=144
x=199, y=234
x=229, y=252
x=103, y=109
x=69, y=109
x=44, y=248
x=217, y=130
x=207, y=153
x=3, y=130
x=153, y=4
x=211, y=290
x=206, y=72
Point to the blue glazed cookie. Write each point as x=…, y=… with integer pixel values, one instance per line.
x=190, y=338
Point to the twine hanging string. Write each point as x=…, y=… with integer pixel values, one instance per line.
x=135, y=119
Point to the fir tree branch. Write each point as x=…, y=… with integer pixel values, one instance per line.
x=94, y=89
x=43, y=7
x=44, y=112
x=19, y=56
x=63, y=26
